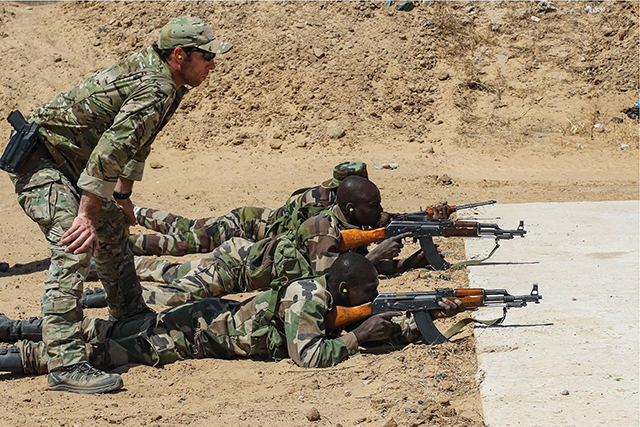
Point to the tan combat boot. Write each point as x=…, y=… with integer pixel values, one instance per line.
x=83, y=378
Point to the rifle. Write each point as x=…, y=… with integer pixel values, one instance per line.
x=423, y=230
x=420, y=215
x=419, y=305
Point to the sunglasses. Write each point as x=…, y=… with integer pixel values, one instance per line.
x=207, y=56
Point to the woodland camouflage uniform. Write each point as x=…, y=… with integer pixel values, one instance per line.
x=239, y=265
x=221, y=328
x=180, y=235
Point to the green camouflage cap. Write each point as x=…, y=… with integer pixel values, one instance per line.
x=186, y=31
x=344, y=170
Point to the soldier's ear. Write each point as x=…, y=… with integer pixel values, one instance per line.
x=343, y=289
x=350, y=207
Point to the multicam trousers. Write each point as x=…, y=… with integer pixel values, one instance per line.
x=51, y=201
x=191, y=331
x=182, y=236
x=238, y=265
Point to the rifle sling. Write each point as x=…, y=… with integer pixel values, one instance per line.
x=457, y=328
x=475, y=261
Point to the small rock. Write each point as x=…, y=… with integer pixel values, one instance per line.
x=57, y=59
x=362, y=419
x=447, y=412
x=608, y=31
x=444, y=402
x=443, y=76
x=313, y=415
x=397, y=107
x=428, y=150
x=617, y=120
x=398, y=124
x=155, y=165
x=97, y=43
x=347, y=393
x=319, y=53
x=327, y=115
x=622, y=33
x=565, y=392
x=238, y=141
x=390, y=423
x=275, y=145
x=445, y=180
x=277, y=133
x=335, y=131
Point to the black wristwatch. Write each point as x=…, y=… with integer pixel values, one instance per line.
x=121, y=196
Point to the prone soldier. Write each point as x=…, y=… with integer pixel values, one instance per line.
x=179, y=235
x=274, y=324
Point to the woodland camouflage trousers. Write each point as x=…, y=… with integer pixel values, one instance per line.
x=180, y=235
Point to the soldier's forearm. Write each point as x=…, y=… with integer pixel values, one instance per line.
x=90, y=205
x=124, y=185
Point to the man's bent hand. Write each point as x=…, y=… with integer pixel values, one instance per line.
x=81, y=236
x=127, y=207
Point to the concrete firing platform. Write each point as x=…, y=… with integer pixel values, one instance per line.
x=573, y=359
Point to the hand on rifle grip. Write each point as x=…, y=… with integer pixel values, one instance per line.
x=376, y=328
x=449, y=308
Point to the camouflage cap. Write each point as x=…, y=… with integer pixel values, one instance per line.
x=186, y=31
x=344, y=170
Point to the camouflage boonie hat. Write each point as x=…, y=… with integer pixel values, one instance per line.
x=344, y=170
x=186, y=31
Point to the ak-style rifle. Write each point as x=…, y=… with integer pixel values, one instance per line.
x=423, y=229
x=420, y=304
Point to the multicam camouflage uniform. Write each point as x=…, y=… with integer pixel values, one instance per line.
x=92, y=135
x=180, y=236
x=220, y=328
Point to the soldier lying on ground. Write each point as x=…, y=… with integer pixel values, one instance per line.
x=239, y=265
x=228, y=329
x=180, y=235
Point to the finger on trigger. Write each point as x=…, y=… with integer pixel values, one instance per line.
x=391, y=314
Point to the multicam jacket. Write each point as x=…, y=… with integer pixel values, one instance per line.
x=103, y=129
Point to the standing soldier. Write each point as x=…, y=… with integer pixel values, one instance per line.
x=92, y=143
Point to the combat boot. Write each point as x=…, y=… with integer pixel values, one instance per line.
x=14, y=330
x=10, y=360
x=83, y=378
x=93, y=298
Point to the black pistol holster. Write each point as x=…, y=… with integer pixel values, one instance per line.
x=21, y=144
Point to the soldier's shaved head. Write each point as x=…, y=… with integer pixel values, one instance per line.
x=353, y=189
x=352, y=280
x=359, y=201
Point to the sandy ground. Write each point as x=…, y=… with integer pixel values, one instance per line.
x=473, y=101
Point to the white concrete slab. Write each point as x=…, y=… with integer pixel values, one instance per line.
x=573, y=359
